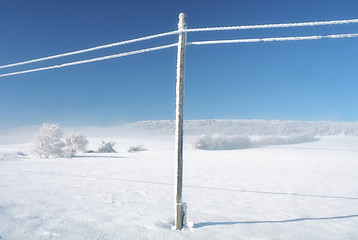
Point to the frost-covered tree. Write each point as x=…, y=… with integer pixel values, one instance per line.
x=48, y=141
x=74, y=143
x=106, y=147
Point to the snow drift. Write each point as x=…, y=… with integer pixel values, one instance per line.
x=11, y=154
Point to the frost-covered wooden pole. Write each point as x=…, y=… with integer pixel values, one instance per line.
x=179, y=208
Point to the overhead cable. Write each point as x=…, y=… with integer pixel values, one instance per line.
x=91, y=60
x=276, y=39
x=90, y=49
x=280, y=25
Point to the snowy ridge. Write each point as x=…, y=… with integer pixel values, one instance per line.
x=251, y=127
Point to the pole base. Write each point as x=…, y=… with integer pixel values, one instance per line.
x=180, y=216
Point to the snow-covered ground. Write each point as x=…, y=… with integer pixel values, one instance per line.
x=301, y=190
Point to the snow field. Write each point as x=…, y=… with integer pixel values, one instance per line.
x=296, y=191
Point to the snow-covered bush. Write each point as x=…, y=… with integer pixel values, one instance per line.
x=224, y=142
x=74, y=143
x=48, y=141
x=107, y=147
x=136, y=148
x=284, y=140
x=218, y=142
x=68, y=151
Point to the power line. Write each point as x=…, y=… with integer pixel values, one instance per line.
x=91, y=49
x=278, y=39
x=284, y=25
x=92, y=60
x=281, y=25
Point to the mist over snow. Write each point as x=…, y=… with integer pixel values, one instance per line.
x=297, y=130
x=209, y=134
x=251, y=127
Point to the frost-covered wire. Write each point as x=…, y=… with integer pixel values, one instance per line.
x=91, y=49
x=280, y=39
x=92, y=60
x=280, y=25
x=284, y=25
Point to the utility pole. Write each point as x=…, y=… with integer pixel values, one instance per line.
x=179, y=205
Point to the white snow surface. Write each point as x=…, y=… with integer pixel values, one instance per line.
x=278, y=189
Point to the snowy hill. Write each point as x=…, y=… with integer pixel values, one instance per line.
x=251, y=127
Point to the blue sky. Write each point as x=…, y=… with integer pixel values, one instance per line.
x=306, y=80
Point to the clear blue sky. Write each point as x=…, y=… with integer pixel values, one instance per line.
x=306, y=80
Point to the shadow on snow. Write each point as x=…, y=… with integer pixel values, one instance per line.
x=190, y=186
x=206, y=224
